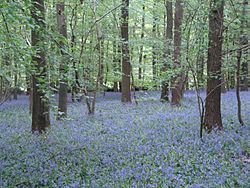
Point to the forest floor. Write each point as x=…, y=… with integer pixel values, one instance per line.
x=147, y=145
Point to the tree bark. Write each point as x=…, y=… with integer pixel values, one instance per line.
x=40, y=107
x=213, y=97
x=141, y=47
x=240, y=83
x=63, y=87
x=15, y=81
x=126, y=67
x=244, y=41
x=167, y=53
x=115, y=66
x=239, y=54
x=178, y=80
x=154, y=53
x=76, y=84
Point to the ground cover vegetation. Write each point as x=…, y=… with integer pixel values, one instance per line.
x=148, y=145
x=124, y=93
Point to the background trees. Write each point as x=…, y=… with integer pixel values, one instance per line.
x=104, y=47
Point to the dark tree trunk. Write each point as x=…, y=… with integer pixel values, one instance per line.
x=200, y=71
x=239, y=54
x=167, y=53
x=244, y=41
x=76, y=84
x=141, y=47
x=115, y=66
x=126, y=67
x=154, y=53
x=178, y=80
x=15, y=83
x=214, y=61
x=240, y=82
x=245, y=73
x=101, y=60
x=31, y=98
x=63, y=87
x=40, y=107
x=1, y=87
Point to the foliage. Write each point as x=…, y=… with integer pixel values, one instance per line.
x=148, y=145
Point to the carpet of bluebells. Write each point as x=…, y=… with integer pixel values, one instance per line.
x=126, y=145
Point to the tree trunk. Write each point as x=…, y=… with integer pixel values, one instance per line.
x=178, y=80
x=15, y=82
x=101, y=59
x=76, y=84
x=141, y=47
x=40, y=107
x=244, y=41
x=214, y=61
x=154, y=53
x=239, y=54
x=126, y=67
x=200, y=64
x=115, y=66
x=240, y=85
x=167, y=53
x=63, y=87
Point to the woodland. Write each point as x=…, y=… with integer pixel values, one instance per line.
x=124, y=93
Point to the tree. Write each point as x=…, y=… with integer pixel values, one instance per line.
x=40, y=104
x=244, y=41
x=154, y=50
x=214, y=61
x=141, y=47
x=244, y=84
x=63, y=88
x=126, y=67
x=178, y=80
x=167, y=53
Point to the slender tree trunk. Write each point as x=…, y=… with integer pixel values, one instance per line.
x=240, y=85
x=178, y=80
x=63, y=87
x=15, y=81
x=100, y=48
x=30, y=99
x=239, y=54
x=227, y=76
x=200, y=71
x=214, y=61
x=107, y=68
x=1, y=87
x=101, y=60
x=1, y=83
x=40, y=107
x=154, y=54
x=119, y=65
x=115, y=66
x=144, y=67
x=244, y=41
x=76, y=84
x=245, y=77
x=141, y=47
x=167, y=53
x=126, y=67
